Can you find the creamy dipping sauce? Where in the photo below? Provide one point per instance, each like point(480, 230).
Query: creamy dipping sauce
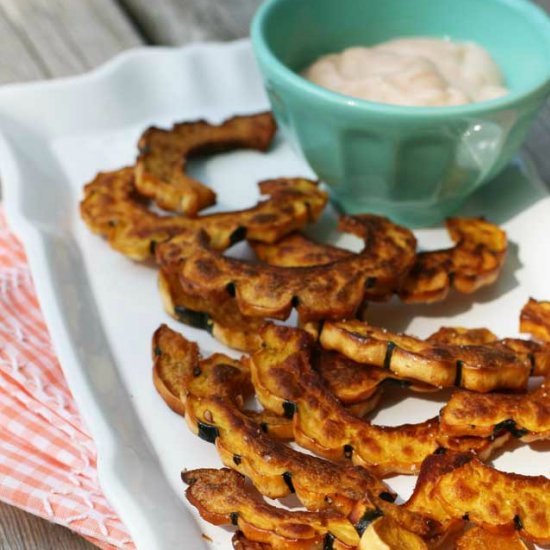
point(412, 71)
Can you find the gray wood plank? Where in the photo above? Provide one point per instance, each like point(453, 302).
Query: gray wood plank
point(538, 144)
point(538, 141)
point(18, 62)
point(183, 21)
point(21, 531)
point(61, 37)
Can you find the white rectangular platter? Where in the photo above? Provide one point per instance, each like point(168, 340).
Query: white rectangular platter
point(102, 308)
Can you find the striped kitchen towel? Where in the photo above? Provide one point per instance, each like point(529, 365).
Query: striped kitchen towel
point(47, 458)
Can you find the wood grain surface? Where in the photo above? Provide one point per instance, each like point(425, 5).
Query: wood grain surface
point(51, 38)
point(22, 531)
point(173, 22)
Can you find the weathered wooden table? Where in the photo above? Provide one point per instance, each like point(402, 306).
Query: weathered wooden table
point(51, 38)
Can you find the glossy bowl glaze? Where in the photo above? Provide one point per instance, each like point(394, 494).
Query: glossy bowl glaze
point(414, 164)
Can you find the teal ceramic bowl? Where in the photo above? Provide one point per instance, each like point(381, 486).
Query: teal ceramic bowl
point(414, 164)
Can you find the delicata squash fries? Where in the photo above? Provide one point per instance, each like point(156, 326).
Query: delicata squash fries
point(112, 208)
point(498, 501)
point(331, 291)
point(213, 401)
point(222, 497)
point(475, 261)
point(160, 166)
point(524, 416)
point(480, 539)
point(350, 497)
point(502, 364)
point(214, 395)
point(317, 384)
point(177, 365)
point(282, 374)
point(535, 319)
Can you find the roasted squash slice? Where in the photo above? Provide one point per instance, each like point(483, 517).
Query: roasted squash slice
point(526, 417)
point(481, 368)
point(160, 167)
point(423, 499)
point(535, 319)
point(113, 208)
point(223, 498)
point(331, 291)
point(500, 502)
point(477, 538)
point(276, 469)
point(475, 261)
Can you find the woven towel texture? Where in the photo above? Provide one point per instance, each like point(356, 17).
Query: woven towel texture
point(47, 458)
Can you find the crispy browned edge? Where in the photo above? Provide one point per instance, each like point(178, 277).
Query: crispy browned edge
point(535, 319)
point(171, 380)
